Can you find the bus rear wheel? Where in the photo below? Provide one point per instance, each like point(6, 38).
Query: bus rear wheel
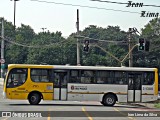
point(109, 100)
point(34, 98)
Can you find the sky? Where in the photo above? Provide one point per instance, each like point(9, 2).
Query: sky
point(57, 17)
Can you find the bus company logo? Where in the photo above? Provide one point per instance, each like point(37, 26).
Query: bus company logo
point(72, 87)
point(147, 88)
point(78, 87)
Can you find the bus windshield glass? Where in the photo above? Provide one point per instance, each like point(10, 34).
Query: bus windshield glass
point(16, 77)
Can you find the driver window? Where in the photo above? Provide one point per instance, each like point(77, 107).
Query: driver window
point(16, 77)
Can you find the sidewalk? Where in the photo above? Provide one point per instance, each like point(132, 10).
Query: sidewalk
point(1, 81)
point(148, 104)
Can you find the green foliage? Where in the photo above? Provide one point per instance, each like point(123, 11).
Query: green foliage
point(151, 32)
point(98, 57)
point(157, 105)
point(52, 48)
point(18, 54)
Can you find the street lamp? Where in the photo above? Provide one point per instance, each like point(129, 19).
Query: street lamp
point(14, 12)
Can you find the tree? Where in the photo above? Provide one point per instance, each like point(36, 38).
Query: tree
point(18, 54)
point(52, 48)
point(111, 33)
point(151, 32)
point(47, 50)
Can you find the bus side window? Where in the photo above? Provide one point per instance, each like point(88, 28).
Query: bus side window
point(120, 77)
point(148, 78)
point(41, 75)
point(100, 80)
point(88, 76)
point(74, 76)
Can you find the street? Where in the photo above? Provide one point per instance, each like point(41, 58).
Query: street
point(70, 110)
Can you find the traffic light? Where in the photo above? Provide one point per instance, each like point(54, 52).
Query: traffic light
point(86, 46)
point(141, 45)
point(147, 46)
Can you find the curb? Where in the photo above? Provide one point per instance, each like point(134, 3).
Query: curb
point(146, 105)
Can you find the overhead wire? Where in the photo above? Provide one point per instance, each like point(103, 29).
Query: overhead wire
point(76, 5)
point(123, 3)
point(9, 40)
point(100, 40)
point(108, 1)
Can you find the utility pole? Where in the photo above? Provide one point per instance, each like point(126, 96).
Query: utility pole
point(78, 44)
point(2, 49)
point(15, 13)
point(129, 48)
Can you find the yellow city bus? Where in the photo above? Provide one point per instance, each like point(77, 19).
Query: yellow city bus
point(107, 85)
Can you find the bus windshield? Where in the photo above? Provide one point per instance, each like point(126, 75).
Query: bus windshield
point(16, 77)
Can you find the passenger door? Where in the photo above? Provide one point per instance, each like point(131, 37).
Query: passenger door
point(60, 85)
point(134, 87)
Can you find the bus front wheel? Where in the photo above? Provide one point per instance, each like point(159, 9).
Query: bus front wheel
point(109, 100)
point(34, 98)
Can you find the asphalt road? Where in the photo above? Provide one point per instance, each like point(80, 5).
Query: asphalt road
point(71, 110)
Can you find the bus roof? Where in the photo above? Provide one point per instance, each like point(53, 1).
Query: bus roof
point(104, 68)
point(66, 67)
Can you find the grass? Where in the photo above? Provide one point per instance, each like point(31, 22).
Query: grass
point(157, 105)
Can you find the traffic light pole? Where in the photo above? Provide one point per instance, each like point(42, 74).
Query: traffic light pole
point(129, 53)
point(118, 60)
point(78, 45)
point(109, 53)
point(129, 48)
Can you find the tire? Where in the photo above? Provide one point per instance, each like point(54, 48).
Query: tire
point(109, 100)
point(34, 98)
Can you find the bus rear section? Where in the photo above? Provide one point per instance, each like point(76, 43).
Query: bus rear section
point(108, 86)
